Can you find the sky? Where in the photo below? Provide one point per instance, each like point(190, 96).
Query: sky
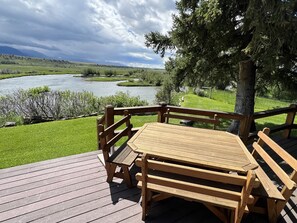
point(99, 31)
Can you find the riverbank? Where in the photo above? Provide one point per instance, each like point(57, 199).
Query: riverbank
point(17, 66)
point(124, 81)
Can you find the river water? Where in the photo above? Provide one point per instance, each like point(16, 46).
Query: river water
point(78, 84)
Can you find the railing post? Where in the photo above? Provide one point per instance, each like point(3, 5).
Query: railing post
point(109, 118)
point(290, 121)
point(162, 110)
point(98, 132)
point(244, 128)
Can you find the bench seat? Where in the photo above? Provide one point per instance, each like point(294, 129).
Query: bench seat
point(274, 199)
point(200, 197)
point(124, 155)
point(225, 195)
point(267, 188)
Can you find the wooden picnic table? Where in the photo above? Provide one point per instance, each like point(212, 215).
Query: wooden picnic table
point(196, 146)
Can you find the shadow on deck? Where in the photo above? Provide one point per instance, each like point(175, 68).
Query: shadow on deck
point(73, 189)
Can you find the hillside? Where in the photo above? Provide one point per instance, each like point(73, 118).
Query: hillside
point(11, 51)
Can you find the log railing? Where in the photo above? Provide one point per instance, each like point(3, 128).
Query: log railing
point(245, 121)
point(289, 122)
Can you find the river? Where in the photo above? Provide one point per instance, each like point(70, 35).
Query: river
point(78, 84)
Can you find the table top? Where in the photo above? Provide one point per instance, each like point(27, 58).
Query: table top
point(196, 146)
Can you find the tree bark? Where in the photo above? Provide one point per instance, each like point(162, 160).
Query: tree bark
point(245, 95)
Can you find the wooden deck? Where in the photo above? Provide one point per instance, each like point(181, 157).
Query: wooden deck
point(73, 189)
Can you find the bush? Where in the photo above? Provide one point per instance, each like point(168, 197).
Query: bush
point(52, 105)
point(166, 93)
point(38, 90)
point(90, 72)
point(109, 73)
point(11, 117)
point(9, 71)
point(201, 92)
point(121, 99)
point(153, 78)
point(44, 104)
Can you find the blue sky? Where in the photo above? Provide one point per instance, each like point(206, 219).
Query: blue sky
point(99, 31)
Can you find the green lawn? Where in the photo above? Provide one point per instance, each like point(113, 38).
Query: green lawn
point(224, 101)
point(31, 143)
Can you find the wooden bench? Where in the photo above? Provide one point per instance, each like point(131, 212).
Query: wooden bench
point(224, 194)
point(123, 157)
point(192, 117)
point(274, 199)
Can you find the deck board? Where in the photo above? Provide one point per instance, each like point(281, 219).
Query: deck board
point(73, 189)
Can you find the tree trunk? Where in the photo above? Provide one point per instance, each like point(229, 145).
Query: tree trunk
point(245, 96)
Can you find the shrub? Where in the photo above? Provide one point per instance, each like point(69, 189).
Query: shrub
point(10, 117)
point(109, 73)
point(89, 72)
point(121, 99)
point(42, 102)
point(201, 92)
point(9, 71)
point(38, 90)
point(166, 93)
point(153, 78)
point(46, 104)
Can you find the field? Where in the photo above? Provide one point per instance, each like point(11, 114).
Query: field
point(17, 66)
point(31, 143)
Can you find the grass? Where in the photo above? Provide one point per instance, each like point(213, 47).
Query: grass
point(32, 143)
point(25, 66)
point(107, 79)
point(224, 101)
point(31, 70)
point(134, 84)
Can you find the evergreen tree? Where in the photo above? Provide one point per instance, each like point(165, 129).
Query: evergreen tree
point(251, 41)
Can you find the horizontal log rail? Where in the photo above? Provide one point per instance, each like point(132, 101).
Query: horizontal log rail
point(191, 111)
point(141, 110)
point(245, 121)
point(286, 127)
point(273, 112)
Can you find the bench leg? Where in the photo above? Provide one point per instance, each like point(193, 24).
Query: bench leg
point(126, 176)
point(146, 199)
point(271, 208)
point(110, 172)
point(218, 212)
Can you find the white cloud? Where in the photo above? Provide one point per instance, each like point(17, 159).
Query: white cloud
point(140, 55)
point(95, 30)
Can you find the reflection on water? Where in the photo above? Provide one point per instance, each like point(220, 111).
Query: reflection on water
point(68, 82)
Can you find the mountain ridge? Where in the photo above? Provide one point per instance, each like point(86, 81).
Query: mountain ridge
point(26, 53)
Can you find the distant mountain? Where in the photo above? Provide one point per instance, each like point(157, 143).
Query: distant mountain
point(33, 53)
point(26, 53)
point(11, 51)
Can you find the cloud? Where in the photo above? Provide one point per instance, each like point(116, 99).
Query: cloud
point(100, 31)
